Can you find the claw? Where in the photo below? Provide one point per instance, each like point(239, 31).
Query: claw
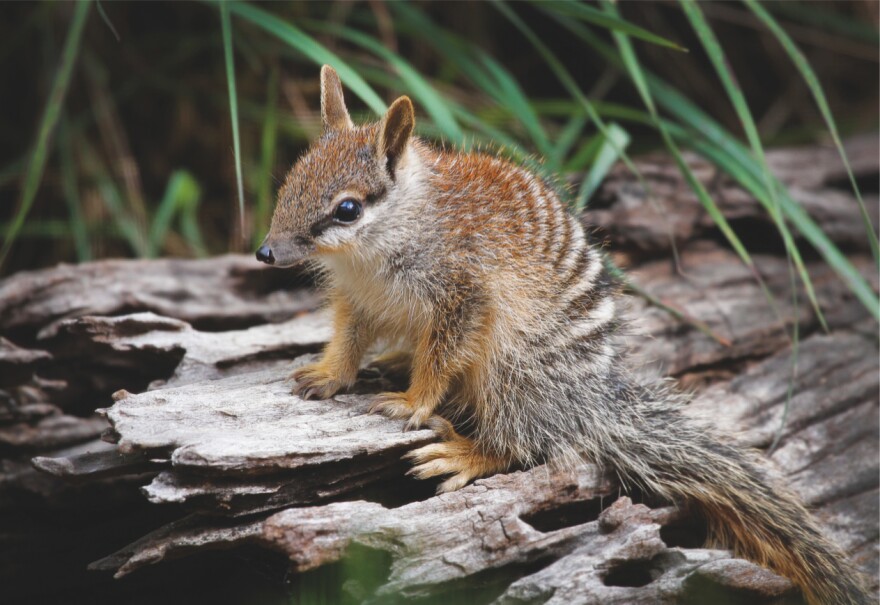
point(454, 483)
point(412, 425)
point(457, 457)
point(316, 381)
point(392, 405)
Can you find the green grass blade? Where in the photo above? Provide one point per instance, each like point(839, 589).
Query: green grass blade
point(107, 21)
point(268, 140)
point(309, 47)
point(113, 200)
point(606, 157)
point(481, 69)
point(69, 184)
point(701, 123)
point(181, 191)
point(704, 126)
point(515, 101)
point(613, 23)
point(492, 137)
point(432, 102)
point(56, 229)
point(846, 26)
point(812, 81)
point(233, 108)
point(735, 160)
point(675, 311)
point(567, 81)
point(566, 140)
point(49, 120)
point(719, 62)
point(413, 22)
point(586, 153)
point(189, 221)
point(634, 68)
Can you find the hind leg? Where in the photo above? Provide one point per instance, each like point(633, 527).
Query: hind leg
point(455, 455)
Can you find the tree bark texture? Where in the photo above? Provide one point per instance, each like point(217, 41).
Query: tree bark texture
point(197, 444)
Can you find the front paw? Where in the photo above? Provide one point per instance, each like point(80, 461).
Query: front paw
point(314, 381)
point(401, 405)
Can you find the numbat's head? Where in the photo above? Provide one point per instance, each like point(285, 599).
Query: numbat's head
point(337, 196)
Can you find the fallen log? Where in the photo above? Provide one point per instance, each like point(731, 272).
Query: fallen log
point(208, 449)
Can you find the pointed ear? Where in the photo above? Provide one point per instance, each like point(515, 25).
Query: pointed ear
point(334, 115)
point(395, 130)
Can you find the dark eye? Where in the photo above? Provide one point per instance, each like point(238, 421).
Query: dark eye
point(348, 211)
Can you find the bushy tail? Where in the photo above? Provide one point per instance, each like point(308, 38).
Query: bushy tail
point(662, 452)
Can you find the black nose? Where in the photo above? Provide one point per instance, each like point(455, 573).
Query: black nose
point(264, 255)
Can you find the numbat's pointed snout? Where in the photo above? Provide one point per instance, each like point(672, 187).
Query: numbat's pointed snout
point(264, 255)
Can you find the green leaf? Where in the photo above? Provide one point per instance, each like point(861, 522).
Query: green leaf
point(481, 69)
point(233, 107)
point(608, 154)
point(614, 23)
point(268, 140)
point(412, 21)
point(181, 192)
point(49, 120)
point(586, 153)
point(809, 76)
point(70, 186)
point(738, 155)
point(719, 62)
point(432, 102)
point(634, 68)
point(311, 48)
point(566, 139)
point(705, 127)
point(567, 81)
point(515, 101)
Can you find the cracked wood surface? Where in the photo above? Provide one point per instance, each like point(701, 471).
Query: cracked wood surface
point(207, 426)
point(224, 291)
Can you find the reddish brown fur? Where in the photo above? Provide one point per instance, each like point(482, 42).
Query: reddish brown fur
point(474, 269)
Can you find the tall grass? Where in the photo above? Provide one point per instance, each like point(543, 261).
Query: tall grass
point(472, 99)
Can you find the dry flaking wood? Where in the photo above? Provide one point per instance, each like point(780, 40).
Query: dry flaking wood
point(17, 364)
point(626, 561)
point(834, 386)
point(225, 291)
point(718, 290)
point(103, 354)
point(252, 423)
point(815, 177)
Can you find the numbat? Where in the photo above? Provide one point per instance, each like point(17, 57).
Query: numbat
point(491, 294)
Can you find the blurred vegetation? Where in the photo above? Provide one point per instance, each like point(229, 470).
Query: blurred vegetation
point(147, 129)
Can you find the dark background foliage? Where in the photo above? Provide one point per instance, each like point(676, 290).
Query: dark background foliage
point(153, 102)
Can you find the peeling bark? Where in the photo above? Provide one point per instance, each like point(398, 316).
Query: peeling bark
point(203, 423)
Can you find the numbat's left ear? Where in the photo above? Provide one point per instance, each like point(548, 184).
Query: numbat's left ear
point(395, 130)
point(334, 115)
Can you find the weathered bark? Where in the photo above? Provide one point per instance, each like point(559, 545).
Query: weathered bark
point(204, 422)
point(17, 365)
point(648, 222)
point(221, 292)
point(836, 394)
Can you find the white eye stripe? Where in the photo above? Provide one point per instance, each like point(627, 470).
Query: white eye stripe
point(347, 195)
